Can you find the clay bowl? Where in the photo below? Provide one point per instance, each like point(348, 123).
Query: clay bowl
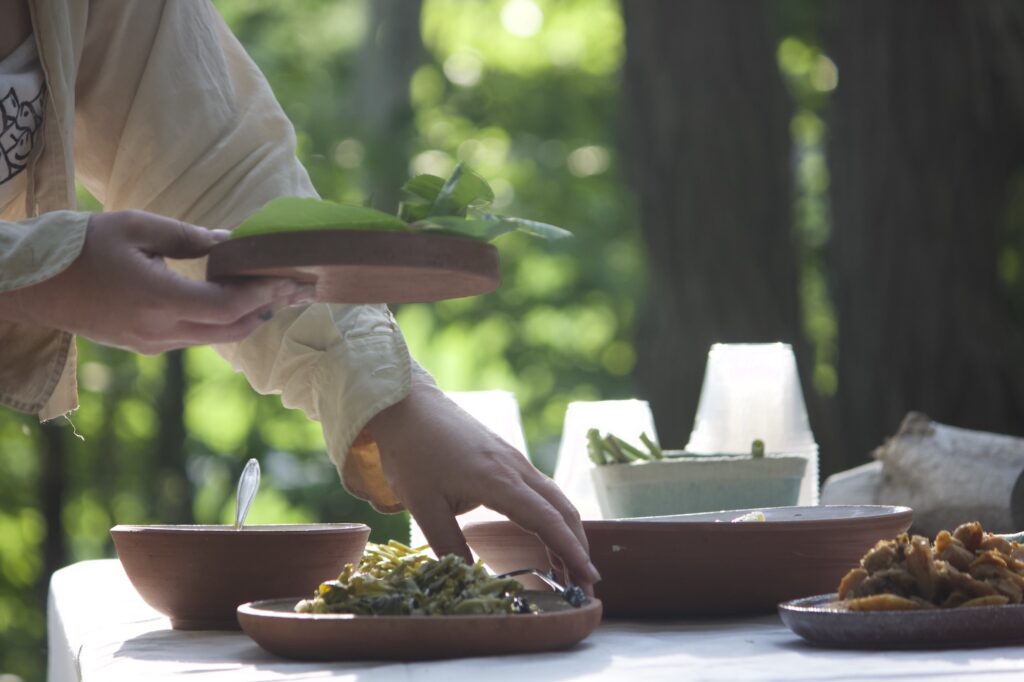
point(199, 575)
point(705, 565)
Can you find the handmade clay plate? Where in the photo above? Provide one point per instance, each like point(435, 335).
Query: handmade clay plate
point(703, 564)
point(363, 266)
point(820, 622)
point(278, 629)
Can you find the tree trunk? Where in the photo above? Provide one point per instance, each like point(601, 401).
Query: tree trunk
point(925, 132)
point(52, 496)
point(172, 498)
point(707, 147)
point(391, 54)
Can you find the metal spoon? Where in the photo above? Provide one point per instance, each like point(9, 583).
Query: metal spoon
point(248, 485)
point(573, 594)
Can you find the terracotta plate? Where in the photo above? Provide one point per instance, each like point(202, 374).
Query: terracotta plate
point(817, 620)
point(704, 565)
point(278, 629)
point(361, 266)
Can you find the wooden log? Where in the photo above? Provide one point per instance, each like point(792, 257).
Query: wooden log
point(858, 485)
point(949, 475)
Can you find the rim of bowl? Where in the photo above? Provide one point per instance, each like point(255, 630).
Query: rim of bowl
point(879, 513)
point(193, 529)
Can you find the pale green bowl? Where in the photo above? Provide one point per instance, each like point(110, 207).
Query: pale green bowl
point(697, 483)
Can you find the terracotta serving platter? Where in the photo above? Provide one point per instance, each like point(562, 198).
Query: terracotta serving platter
point(275, 626)
point(705, 565)
point(363, 266)
point(820, 621)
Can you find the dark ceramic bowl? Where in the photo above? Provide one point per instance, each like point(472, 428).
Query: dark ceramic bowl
point(704, 564)
point(199, 575)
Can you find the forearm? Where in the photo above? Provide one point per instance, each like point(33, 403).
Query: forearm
point(341, 365)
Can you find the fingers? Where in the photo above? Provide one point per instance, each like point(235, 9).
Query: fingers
point(557, 499)
point(199, 334)
point(225, 302)
point(172, 238)
point(205, 302)
point(528, 509)
point(438, 524)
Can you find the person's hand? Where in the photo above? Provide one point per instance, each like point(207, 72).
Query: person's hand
point(441, 462)
point(119, 291)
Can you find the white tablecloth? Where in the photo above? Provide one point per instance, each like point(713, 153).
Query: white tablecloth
point(99, 629)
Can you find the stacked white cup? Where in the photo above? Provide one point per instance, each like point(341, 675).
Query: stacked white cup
point(752, 392)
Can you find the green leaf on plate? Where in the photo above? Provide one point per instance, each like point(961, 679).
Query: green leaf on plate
point(430, 195)
point(424, 187)
point(488, 226)
point(537, 229)
point(295, 214)
point(462, 190)
point(478, 228)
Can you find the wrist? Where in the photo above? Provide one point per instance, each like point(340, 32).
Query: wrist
point(421, 391)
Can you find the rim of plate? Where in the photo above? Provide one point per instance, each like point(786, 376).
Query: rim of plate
point(256, 608)
point(194, 529)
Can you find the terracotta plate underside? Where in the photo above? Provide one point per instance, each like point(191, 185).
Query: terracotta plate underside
point(361, 266)
point(819, 621)
point(275, 626)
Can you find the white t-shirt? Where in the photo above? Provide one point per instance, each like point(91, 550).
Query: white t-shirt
point(21, 116)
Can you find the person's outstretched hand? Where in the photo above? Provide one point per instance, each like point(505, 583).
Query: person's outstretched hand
point(119, 291)
point(441, 462)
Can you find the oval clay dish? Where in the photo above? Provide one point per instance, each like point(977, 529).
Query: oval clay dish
point(275, 626)
point(820, 621)
point(703, 564)
point(364, 266)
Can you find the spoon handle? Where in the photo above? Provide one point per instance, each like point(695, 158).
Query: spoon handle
point(248, 484)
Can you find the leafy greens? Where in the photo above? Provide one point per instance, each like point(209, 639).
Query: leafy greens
point(457, 206)
point(395, 580)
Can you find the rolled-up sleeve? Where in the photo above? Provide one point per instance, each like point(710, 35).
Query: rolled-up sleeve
point(35, 249)
point(174, 118)
point(37, 363)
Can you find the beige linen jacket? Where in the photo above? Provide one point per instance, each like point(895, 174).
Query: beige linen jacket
point(154, 105)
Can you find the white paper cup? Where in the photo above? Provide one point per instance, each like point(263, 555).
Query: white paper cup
point(698, 484)
point(751, 392)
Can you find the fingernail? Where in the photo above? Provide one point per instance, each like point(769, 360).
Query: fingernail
point(266, 315)
point(592, 573)
point(220, 235)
